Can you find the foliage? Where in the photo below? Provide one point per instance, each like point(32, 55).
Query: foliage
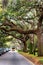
point(22, 16)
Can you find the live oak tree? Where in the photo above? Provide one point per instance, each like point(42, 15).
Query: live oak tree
point(20, 15)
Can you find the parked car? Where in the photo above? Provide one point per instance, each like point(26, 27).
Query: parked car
point(1, 51)
point(7, 49)
point(4, 50)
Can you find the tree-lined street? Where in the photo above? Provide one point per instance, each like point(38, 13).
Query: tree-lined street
point(21, 28)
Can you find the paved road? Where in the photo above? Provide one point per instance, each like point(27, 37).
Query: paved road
point(13, 58)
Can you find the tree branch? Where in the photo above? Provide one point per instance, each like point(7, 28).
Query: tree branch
point(21, 31)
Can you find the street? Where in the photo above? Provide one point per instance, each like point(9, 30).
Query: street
point(13, 58)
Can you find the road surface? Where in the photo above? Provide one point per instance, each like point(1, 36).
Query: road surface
point(13, 58)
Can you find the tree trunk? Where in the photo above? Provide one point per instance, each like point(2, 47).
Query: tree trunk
point(40, 35)
point(4, 3)
point(31, 48)
point(40, 43)
point(25, 47)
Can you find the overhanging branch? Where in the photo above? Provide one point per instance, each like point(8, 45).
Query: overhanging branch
point(21, 31)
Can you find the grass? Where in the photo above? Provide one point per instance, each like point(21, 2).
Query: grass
point(34, 58)
point(41, 60)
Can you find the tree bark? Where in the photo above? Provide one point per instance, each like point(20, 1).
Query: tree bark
point(40, 35)
point(4, 3)
point(40, 42)
point(25, 47)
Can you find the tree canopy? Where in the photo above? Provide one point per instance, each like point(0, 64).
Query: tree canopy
point(19, 18)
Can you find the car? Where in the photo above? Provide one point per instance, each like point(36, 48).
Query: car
point(7, 49)
point(1, 51)
point(13, 49)
point(4, 50)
